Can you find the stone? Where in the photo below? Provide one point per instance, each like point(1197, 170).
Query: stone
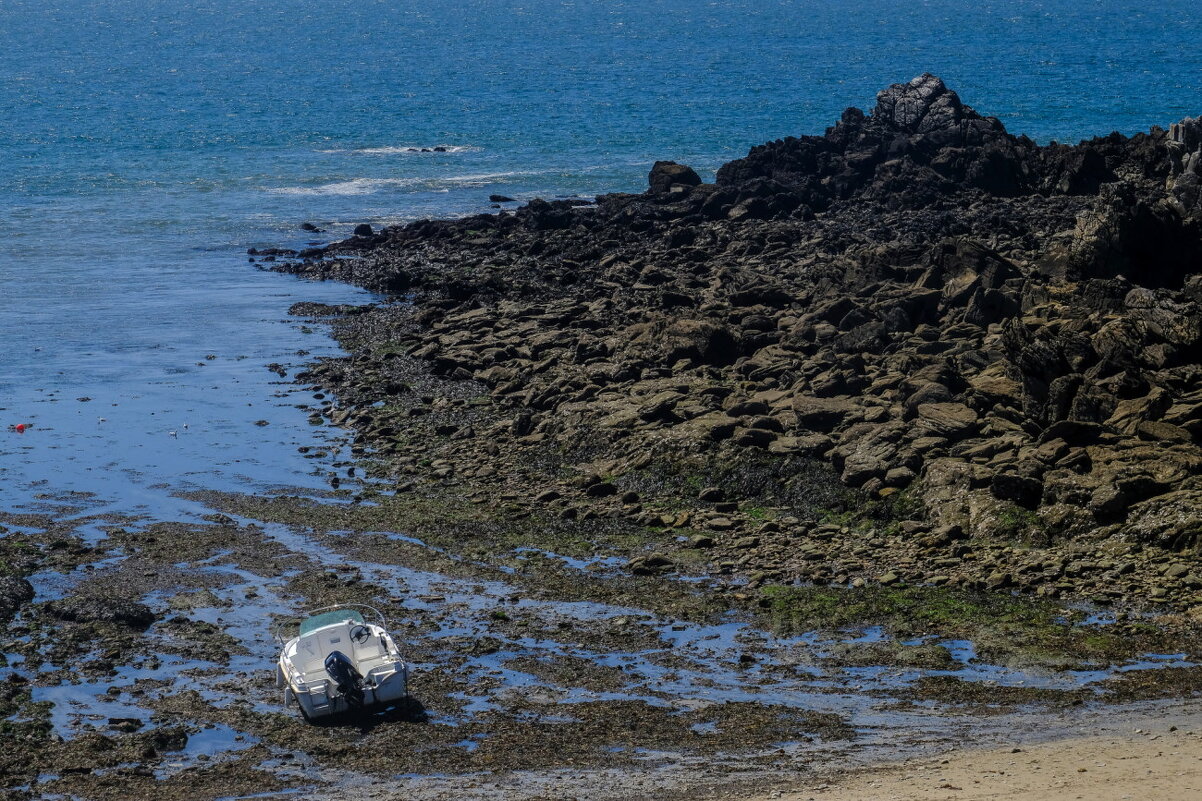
point(652, 564)
point(923, 104)
point(1073, 432)
point(1025, 491)
point(899, 477)
point(1160, 431)
point(748, 407)
point(666, 174)
point(822, 414)
point(998, 579)
point(14, 592)
point(948, 420)
point(601, 489)
point(754, 437)
point(701, 341)
point(101, 609)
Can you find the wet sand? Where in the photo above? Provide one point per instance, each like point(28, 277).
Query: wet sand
point(1157, 759)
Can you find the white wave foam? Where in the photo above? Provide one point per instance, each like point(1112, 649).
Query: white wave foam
point(406, 150)
point(482, 178)
point(355, 186)
point(368, 186)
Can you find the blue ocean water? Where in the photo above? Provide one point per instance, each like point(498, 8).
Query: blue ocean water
point(145, 145)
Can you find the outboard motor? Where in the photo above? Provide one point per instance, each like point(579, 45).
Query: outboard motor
point(350, 683)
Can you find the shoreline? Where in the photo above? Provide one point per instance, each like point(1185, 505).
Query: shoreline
point(1163, 760)
point(663, 493)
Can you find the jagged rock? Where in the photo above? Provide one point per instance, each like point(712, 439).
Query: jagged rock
point(14, 591)
point(666, 174)
point(922, 105)
point(823, 414)
point(1185, 154)
point(99, 609)
point(990, 320)
point(948, 420)
point(703, 341)
point(1172, 520)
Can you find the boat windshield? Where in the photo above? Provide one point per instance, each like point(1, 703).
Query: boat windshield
point(331, 618)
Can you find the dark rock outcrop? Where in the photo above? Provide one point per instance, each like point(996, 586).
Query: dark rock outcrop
point(119, 611)
point(14, 592)
point(917, 297)
point(667, 174)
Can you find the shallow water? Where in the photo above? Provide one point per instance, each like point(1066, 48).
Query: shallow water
point(691, 665)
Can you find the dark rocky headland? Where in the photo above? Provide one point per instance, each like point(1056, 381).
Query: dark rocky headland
point(915, 350)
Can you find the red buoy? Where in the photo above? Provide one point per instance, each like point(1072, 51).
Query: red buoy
point(20, 428)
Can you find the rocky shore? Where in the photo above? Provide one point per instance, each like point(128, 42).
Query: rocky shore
point(707, 490)
point(916, 349)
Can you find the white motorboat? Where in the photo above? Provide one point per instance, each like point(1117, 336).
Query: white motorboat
point(340, 663)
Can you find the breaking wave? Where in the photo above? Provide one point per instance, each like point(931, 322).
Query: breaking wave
point(369, 186)
point(406, 150)
point(355, 186)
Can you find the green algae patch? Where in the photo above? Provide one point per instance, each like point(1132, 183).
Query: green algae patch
point(1005, 629)
point(443, 520)
point(983, 698)
point(893, 654)
point(23, 721)
point(906, 610)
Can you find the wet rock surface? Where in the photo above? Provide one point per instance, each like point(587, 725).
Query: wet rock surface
point(925, 322)
point(535, 649)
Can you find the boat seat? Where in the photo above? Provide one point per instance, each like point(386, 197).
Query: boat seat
point(371, 654)
point(313, 649)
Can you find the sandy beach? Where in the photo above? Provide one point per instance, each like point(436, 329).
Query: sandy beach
point(1160, 762)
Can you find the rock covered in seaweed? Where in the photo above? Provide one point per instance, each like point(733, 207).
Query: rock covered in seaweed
point(918, 297)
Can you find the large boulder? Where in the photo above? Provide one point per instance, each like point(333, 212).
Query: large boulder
point(666, 174)
point(700, 340)
point(14, 591)
point(1172, 520)
point(1153, 244)
point(949, 420)
point(823, 414)
point(100, 609)
point(923, 105)
point(1185, 154)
